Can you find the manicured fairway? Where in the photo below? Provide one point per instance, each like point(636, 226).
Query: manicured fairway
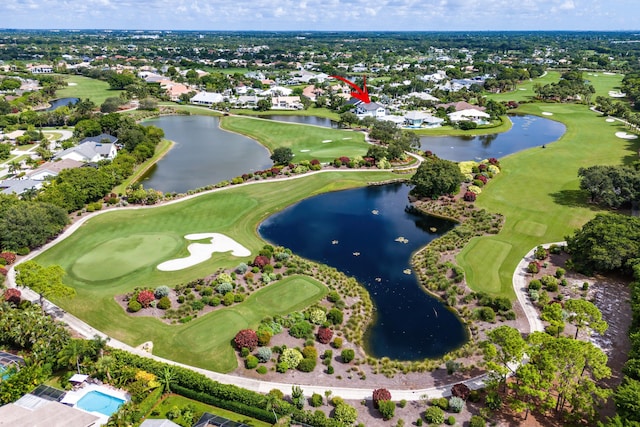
point(311, 111)
point(306, 142)
point(236, 212)
point(538, 192)
point(85, 87)
point(524, 91)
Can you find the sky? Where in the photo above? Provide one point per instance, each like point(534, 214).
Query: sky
point(322, 15)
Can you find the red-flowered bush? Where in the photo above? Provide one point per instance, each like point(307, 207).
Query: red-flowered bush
point(469, 196)
point(481, 178)
point(482, 167)
point(12, 295)
point(315, 162)
point(246, 338)
point(460, 390)
point(3, 271)
point(145, 298)
point(494, 161)
point(345, 160)
point(379, 395)
point(10, 257)
point(275, 171)
point(260, 261)
point(325, 335)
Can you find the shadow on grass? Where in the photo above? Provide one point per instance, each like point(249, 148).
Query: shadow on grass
point(573, 199)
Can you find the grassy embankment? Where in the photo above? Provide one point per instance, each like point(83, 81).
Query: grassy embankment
point(118, 251)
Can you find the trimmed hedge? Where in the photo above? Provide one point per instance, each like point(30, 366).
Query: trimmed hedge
point(147, 404)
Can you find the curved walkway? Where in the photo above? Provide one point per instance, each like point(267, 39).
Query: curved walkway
point(85, 330)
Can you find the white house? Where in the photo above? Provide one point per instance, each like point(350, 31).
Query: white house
point(468, 115)
point(92, 149)
point(372, 109)
point(207, 98)
point(40, 69)
point(277, 91)
point(286, 103)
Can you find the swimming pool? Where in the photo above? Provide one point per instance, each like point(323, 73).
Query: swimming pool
point(96, 401)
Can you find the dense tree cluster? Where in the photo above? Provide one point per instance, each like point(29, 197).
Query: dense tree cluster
point(571, 87)
point(609, 242)
point(562, 374)
point(436, 177)
point(28, 224)
point(611, 186)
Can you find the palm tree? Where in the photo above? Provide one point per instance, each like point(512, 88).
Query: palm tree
point(14, 166)
point(72, 353)
point(273, 403)
point(165, 379)
point(104, 366)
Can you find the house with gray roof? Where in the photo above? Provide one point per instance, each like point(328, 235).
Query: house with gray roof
point(89, 151)
point(371, 109)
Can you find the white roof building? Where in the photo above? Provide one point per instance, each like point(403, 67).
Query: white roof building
point(468, 114)
point(207, 98)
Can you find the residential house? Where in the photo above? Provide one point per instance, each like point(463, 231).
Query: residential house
point(469, 115)
point(40, 69)
point(286, 103)
point(174, 90)
point(52, 169)
point(246, 101)
point(207, 98)
point(277, 91)
point(18, 186)
point(92, 149)
point(372, 109)
point(416, 119)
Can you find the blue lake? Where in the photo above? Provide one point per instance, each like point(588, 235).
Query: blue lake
point(526, 132)
point(61, 103)
point(203, 154)
point(365, 222)
point(303, 120)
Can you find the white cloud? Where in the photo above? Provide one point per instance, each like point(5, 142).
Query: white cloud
point(321, 14)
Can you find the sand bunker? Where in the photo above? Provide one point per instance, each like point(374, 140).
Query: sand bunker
point(200, 252)
point(625, 135)
point(616, 94)
point(609, 120)
point(304, 151)
point(327, 140)
point(546, 113)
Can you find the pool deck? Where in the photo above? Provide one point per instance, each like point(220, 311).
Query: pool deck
point(72, 397)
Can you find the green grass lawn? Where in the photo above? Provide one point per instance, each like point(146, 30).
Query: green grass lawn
point(311, 111)
point(26, 147)
point(299, 138)
point(85, 87)
point(538, 192)
point(524, 91)
point(602, 83)
point(193, 109)
point(181, 402)
point(118, 251)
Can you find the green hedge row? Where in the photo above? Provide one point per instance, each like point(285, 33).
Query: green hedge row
point(196, 386)
point(147, 404)
point(230, 405)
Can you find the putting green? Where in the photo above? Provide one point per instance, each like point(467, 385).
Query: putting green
point(118, 257)
point(530, 228)
point(488, 254)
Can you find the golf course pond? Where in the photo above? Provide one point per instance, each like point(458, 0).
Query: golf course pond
point(57, 103)
point(301, 120)
point(203, 154)
point(366, 233)
point(527, 132)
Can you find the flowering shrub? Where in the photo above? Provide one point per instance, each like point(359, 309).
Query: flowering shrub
point(145, 298)
point(380, 394)
point(3, 271)
point(314, 162)
point(482, 167)
point(223, 288)
point(493, 161)
point(264, 354)
point(317, 316)
point(260, 261)
point(161, 291)
point(324, 335)
point(12, 295)
point(344, 160)
point(493, 169)
point(533, 267)
point(246, 338)
point(469, 196)
point(460, 390)
point(481, 178)
point(467, 167)
point(10, 257)
point(475, 189)
point(290, 358)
